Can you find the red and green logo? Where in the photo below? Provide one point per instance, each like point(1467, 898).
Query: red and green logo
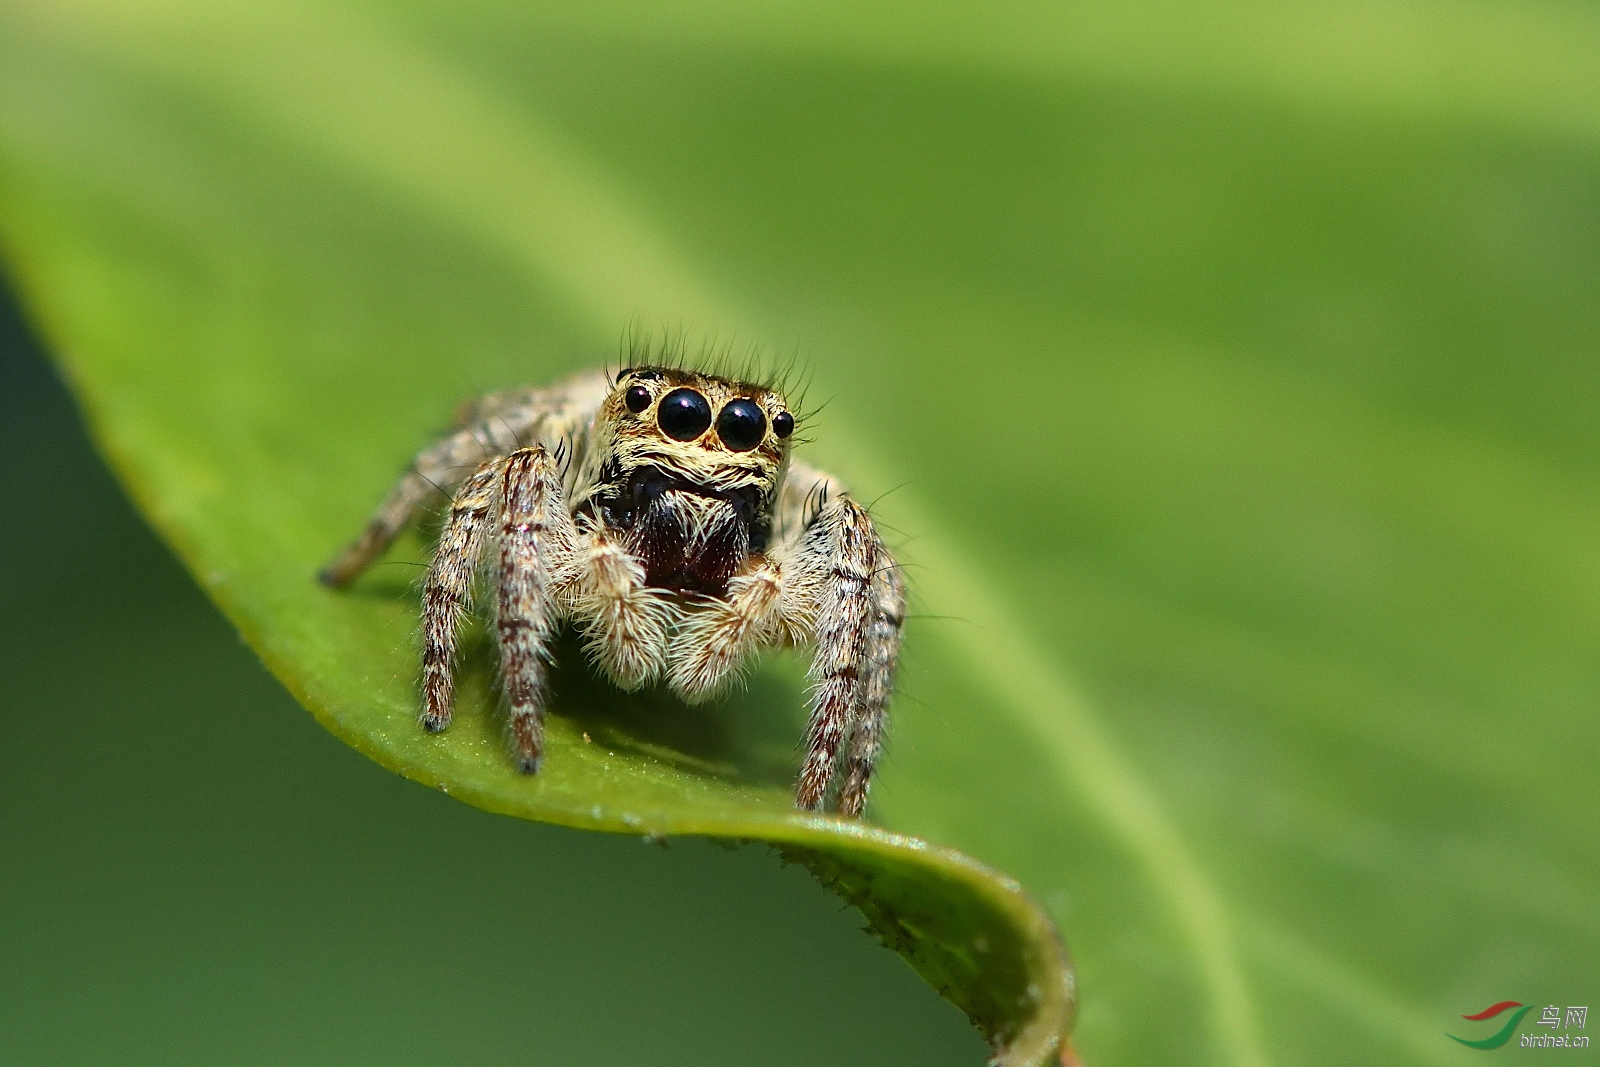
point(1502, 1035)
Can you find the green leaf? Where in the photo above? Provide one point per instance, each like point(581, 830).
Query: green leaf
point(1235, 366)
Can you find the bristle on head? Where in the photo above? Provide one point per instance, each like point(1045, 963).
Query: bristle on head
point(732, 360)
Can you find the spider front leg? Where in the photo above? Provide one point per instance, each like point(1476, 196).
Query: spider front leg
point(537, 548)
point(877, 683)
point(833, 569)
point(535, 537)
point(447, 590)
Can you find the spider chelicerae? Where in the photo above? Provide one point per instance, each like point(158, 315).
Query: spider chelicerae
point(659, 510)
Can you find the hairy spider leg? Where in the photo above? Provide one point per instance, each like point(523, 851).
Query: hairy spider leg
point(440, 468)
point(877, 684)
point(840, 551)
point(487, 429)
point(447, 590)
point(537, 543)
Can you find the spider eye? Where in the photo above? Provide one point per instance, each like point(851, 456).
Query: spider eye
point(783, 424)
point(637, 398)
point(683, 415)
point(741, 425)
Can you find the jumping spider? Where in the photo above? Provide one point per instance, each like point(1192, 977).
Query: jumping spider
point(660, 511)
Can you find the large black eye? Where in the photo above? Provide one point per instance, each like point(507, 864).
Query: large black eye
point(783, 424)
point(741, 425)
point(637, 398)
point(683, 415)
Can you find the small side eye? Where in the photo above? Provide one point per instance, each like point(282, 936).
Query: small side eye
point(683, 415)
point(637, 398)
point(741, 425)
point(783, 424)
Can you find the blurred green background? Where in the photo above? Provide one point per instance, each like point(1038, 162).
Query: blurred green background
point(1243, 355)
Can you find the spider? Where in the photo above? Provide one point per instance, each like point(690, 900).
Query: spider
point(660, 511)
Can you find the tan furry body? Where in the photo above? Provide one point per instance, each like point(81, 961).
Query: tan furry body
point(676, 556)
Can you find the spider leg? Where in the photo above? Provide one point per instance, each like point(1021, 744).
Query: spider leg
point(439, 468)
point(447, 590)
point(537, 545)
point(626, 622)
point(877, 683)
point(837, 558)
point(715, 639)
point(489, 427)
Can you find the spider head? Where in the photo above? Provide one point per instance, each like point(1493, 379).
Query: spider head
point(689, 467)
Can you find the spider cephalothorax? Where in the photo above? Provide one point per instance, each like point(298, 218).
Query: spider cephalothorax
point(660, 511)
point(686, 467)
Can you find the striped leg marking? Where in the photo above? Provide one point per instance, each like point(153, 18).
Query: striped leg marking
point(536, 549)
